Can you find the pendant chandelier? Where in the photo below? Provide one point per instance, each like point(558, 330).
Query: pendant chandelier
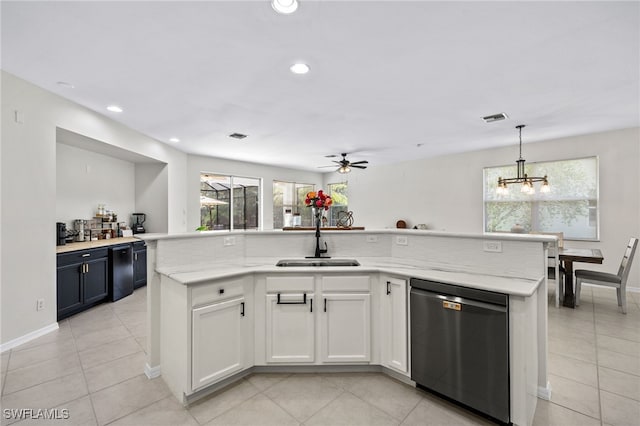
point(522, 178)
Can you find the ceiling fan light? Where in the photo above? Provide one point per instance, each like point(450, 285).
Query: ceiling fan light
point(344, 169)
point(284, 7)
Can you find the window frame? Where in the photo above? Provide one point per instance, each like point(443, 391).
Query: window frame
point(294, 204)
point(529, 164)
point(260, 203)
point(331, 208)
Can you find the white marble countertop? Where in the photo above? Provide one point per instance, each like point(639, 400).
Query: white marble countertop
point(198, 274)
point(486, 235)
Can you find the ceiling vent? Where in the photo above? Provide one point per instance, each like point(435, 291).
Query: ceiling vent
point(237, 136)
point(495, 117)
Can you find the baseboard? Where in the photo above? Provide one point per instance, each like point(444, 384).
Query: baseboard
point(152, 372)
point(28, 337)
point(545, 393)
point(632, 289)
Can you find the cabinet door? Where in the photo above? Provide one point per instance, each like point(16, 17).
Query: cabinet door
point(217, 341)
point(139, 268)
point(394, 339)
point(96, 279)
point(290, 328)
point(69, 289)
point(345, 328)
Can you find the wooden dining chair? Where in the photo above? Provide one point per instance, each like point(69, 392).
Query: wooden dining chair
point(617, 281)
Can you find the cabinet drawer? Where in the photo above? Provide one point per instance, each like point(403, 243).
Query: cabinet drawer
point(207, 293)
point(282, 284)
point(346, 283)
point(81, 256)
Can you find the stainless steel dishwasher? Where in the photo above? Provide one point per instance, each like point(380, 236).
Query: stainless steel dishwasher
point(460, 345)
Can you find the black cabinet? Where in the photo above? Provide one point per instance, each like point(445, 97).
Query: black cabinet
point(82, 280)
point(139, 264)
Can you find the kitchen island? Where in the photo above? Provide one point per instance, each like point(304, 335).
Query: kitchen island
point(220, 309)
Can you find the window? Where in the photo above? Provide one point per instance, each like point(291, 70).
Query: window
point(290, 196)
point(338, 193)
point(229, 202)
point(570, 207)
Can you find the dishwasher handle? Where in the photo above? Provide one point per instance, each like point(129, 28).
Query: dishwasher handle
point(457, 303)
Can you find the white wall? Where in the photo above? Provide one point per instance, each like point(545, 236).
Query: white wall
point(151, 196)
point(446, 192)
point(197, 164)
point(29, 164)
point(85, 179)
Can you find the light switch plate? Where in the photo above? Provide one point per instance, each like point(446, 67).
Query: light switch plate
point(402, 240)
point(229, 241)
point(493, 246)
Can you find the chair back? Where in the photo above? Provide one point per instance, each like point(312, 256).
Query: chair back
point(625, 265)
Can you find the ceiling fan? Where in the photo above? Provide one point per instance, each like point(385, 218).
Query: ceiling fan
point(346, 165)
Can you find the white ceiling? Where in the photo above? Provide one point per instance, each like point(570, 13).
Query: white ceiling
point(389, 80)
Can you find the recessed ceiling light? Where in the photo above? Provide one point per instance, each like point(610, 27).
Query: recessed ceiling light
point(284, 6)
point(65, 84)
point(299, 68)
point(174, 140)
point(114, 108)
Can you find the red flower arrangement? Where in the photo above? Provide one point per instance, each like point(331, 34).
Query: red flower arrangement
point(318, 200)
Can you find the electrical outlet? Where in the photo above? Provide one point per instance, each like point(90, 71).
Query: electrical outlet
point(229, 241)
point(39, 304)
point(402, 240)
point(493, 246)
point(372, 238)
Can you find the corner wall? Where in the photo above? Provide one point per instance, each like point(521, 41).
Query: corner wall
point(28, 155)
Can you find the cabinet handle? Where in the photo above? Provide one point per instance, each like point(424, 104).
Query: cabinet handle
point(388, 288)
point(325, 304)
point(87, 267)
point(135, 256)
point(311, 303)
point(86, 255)
point(241, 309)
point(303, 302)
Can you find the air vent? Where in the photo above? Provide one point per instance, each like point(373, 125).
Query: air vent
point(495, 117)
point(237, 136)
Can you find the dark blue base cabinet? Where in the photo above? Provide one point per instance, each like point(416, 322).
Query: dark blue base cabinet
point(88, 277)
point(82, 280)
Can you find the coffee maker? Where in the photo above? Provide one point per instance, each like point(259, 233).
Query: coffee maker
point(61, 233)
point(138, 220)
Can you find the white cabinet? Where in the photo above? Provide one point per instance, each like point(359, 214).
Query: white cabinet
point(218, 334)
point(345, 330)
point(345, 325)
point(393, 323)
point(289, 319)
point(290, 328)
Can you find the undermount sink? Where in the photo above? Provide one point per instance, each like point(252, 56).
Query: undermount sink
point(318, 262)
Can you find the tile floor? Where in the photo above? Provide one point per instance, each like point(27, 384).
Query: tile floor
point(92, 367)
